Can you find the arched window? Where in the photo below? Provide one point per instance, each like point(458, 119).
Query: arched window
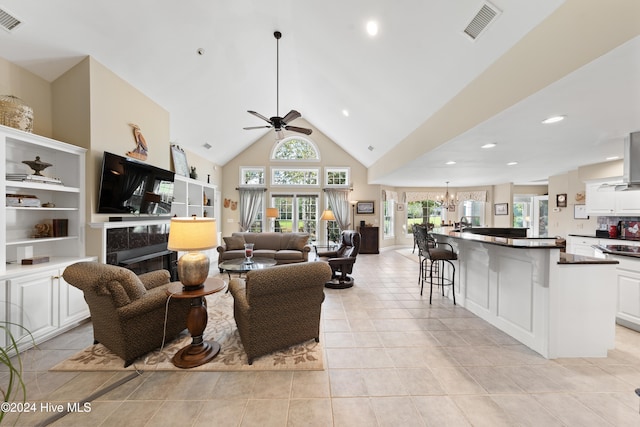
point(295, 148)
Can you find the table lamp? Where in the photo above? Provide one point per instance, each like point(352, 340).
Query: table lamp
point(327, 216)
point(192, 234)
point(272, 213)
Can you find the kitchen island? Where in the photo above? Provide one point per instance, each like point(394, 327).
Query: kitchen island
point(557, 304)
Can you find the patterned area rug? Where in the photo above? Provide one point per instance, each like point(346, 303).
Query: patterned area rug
point(221, 327)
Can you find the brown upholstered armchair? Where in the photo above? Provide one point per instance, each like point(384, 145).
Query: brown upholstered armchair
point(278, 307)
point(128, 311)
point(342, 260)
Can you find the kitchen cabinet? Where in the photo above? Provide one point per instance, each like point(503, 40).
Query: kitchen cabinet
point(603, 199)
point(369, 240)
point(600, 198)
point(628, 287)
point(627, 202)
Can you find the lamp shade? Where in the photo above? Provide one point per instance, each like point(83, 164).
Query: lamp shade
point(192, 234)
point(327, 216)
point(272, 213)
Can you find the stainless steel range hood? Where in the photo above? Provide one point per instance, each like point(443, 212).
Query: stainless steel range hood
point(631, 165)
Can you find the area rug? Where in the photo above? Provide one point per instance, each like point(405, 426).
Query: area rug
point(221, 328)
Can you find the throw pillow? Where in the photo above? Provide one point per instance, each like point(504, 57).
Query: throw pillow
point(234, 243)
point(298, 242)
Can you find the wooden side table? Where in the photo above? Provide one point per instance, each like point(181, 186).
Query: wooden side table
point(199, 351)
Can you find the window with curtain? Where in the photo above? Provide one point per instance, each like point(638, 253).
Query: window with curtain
point(332, 228)
point(296, 213)
point(336, 177)
point(388, 206)
point(252, 175)
point(424, 212)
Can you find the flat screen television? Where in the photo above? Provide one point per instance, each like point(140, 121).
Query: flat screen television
point(128, 186)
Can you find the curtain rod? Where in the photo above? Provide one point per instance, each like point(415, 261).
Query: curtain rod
point(251, 188)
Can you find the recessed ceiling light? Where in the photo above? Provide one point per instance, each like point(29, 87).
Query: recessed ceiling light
point(450, 162)
point(613, 158)
point(553, 119)
point(488, 145)
point(372, 28)
point(512, 163)
point(345, 113)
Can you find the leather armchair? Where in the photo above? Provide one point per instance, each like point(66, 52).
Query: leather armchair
point(127, 310)
point(342, 260)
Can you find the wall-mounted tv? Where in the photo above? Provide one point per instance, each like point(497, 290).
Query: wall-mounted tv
point(128, 186)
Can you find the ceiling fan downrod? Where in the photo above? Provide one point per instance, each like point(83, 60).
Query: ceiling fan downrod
point(277, 35)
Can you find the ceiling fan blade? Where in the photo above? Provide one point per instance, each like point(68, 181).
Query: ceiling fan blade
point(256, 127)
point(291, 116)
point(300, 130)
point(259, 116)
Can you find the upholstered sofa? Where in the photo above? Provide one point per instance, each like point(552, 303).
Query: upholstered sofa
point(128, 311)
point(280, 306)
point(285, 248)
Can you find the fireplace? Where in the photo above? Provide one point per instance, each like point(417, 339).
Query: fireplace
point(141, 249)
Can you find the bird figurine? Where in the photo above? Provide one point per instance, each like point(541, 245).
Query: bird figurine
point(140, 152)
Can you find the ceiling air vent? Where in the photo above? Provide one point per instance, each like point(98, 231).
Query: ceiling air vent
point(8, 22)
point(481, 20)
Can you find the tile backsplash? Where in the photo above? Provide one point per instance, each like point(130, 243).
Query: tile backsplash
point(605, 221)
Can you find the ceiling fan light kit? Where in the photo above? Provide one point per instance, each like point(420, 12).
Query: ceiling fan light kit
point(279, 124)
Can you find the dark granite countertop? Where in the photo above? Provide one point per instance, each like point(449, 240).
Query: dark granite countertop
point(621, 250)
point(566, 258)
point(593, 236)
point(519, 243)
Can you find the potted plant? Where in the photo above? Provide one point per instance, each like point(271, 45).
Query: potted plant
point(14, 387)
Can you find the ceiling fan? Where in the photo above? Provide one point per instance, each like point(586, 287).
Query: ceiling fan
point(279, 123)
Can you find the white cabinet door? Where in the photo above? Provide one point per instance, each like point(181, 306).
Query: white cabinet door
point(629, 297)
point(34, 305)
point(600, 199)
point(628, 202)
point(73, 307)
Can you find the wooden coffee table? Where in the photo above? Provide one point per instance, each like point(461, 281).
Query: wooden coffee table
point(240, 266)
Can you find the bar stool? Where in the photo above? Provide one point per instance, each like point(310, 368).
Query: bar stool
point(437, 254)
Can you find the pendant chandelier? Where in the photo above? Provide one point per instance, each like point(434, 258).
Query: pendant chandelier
point(447, 200)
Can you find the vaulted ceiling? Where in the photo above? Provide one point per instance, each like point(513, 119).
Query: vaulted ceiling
point(419, 94)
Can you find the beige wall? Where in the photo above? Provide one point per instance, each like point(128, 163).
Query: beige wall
point(331, 155)
point(503, 193)
point(33, 90)
point(561, 220)
point(91, 107)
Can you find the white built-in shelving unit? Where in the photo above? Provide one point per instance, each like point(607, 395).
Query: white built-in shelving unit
point(36, 296)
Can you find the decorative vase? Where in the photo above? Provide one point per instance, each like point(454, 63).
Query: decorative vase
point(15, 113)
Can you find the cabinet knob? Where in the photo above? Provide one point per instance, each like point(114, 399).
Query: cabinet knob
point(55, 277)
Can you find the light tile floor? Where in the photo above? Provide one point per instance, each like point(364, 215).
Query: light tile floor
point(392, 360)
